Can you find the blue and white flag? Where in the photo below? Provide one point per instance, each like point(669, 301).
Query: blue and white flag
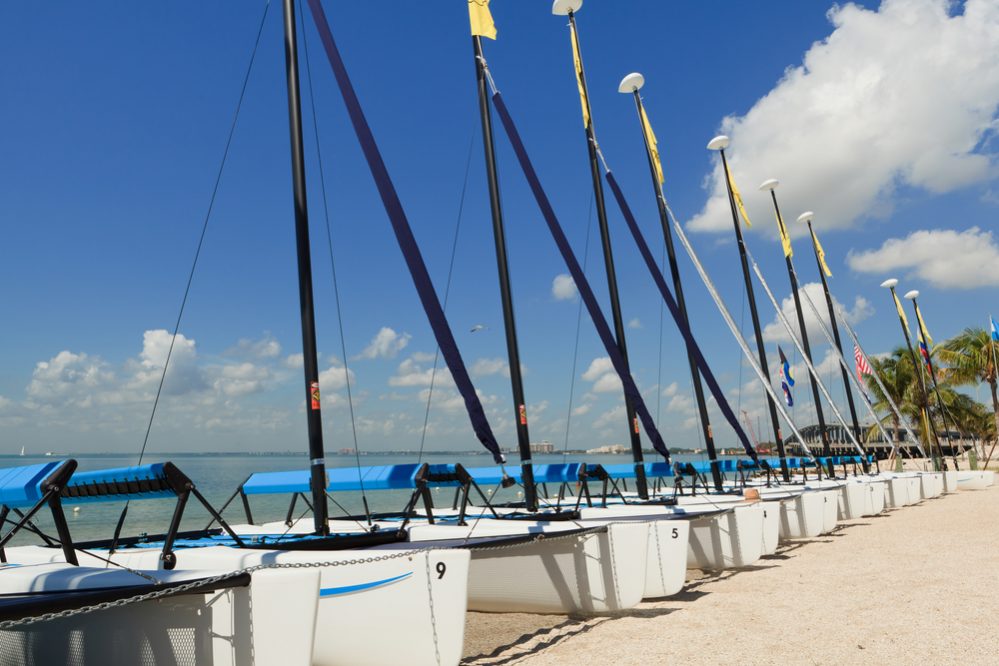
point(995, 328)
point(786, 378)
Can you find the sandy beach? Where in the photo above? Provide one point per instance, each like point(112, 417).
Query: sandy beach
point(913, 585)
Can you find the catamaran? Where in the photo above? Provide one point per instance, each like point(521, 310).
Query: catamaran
point(62, 612)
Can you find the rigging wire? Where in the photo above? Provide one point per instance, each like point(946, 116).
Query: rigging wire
point(575, 349)
point(336, 286)
point(447, 290)
point(204, 230)
point(662, 314)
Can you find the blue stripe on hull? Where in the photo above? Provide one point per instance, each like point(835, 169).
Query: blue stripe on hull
point(349, 589)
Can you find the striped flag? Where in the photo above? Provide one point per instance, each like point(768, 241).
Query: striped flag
point(786, 378)
point(924, 351)
point(863, 367)
point(995, 328)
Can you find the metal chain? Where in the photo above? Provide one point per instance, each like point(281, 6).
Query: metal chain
point(433, 616)
point(9, 625)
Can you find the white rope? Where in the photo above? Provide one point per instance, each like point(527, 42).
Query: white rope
point(804, 356)
point(778, 402)
point(898, 412)
point(846, 367)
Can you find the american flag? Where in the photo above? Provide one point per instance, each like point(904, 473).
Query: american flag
point(863, 367)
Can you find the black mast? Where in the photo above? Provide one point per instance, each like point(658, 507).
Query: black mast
point(674, 268)
point(931, 435)
point(512, 350)
point(771, 184)
point(641, 483)
point(933, 380)
point(719, 143)
point(835, 329)
point(317, 461)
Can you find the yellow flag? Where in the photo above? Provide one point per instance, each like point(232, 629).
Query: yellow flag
point(738, 198)
point(922, 327)
point(821, 254)
point(901, 312)
point(785, 239)
point(481, 19)
point(578, 60)
point(650, 139)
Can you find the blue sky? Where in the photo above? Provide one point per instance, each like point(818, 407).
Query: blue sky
point(877, 116)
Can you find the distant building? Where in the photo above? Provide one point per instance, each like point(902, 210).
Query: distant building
point(612, 449)
point(543, 446)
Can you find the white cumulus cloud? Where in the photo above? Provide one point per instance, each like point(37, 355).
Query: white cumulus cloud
point(334, 378)
point(601, 372)
point(902, 96)
point(69, 378)
point(775, 331)
point(563, 288)
point(411, 372)
point(386, 344)
point(484, 367)
point(945, 258)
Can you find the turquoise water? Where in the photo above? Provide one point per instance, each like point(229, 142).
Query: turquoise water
point(216, 477)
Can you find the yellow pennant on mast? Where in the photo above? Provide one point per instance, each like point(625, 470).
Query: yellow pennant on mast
point(821, 254)
point(578, 61)
point(653, 145)
point(785, 238)
point(737, 197)
point(922, 326)
point(481, 19)
point(901, 312)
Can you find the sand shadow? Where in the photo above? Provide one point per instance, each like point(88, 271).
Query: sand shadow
point(534, 642)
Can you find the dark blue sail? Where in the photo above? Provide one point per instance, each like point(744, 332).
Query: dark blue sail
point(674, 310)
point(585, 292)
point(406, 240)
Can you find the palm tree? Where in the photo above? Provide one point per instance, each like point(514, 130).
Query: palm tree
point(896, 373)
point(899, 377)
point(971, 359)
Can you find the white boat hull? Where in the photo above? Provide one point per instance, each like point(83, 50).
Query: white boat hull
point(975, 480)
point(594, 572)
point(426, 609)
point(804, 517)
point(666, 555)
point(270, 621)
point(931, 484)
point(772, 511)
point(730, 540)
point(874, 499)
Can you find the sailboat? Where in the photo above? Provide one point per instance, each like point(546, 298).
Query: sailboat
point(419, 590)
point(62, 612)
point(551, 561)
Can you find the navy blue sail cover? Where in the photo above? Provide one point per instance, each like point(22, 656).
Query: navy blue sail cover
point(674, 310)
point(23, 486)
point(407, 242)
point(585, 292)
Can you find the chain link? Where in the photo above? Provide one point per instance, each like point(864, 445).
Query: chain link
point(9, 625)
point(433, 616)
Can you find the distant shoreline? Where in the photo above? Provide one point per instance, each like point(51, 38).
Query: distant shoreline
point(284, 454)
